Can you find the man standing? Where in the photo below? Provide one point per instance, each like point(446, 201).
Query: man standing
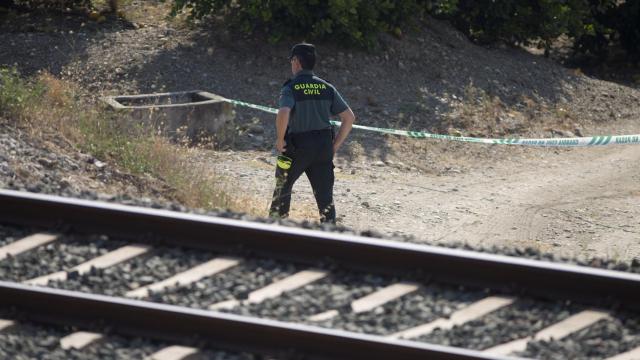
point(304, 136)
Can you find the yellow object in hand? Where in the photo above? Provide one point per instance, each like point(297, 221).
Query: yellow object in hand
point(284, 162)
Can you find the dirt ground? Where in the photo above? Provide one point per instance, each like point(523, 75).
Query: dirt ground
point(577, 202)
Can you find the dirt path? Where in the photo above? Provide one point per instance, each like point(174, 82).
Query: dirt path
point(580, 202)
point(583, 202)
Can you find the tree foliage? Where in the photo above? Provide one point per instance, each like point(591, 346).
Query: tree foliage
point(516, 21)
point(48, 4)
point(594, 24)
point(355, 21)
point(627, 25)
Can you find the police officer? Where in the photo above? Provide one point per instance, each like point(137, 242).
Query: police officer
point(304, 135)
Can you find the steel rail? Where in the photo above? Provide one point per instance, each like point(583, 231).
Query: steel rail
point(226, 331)
point(498, 272)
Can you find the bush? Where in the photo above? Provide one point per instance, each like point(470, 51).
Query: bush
point(49, 4)
point(627, 24)
point(354, 21)
point(516, 21)
point(595, 25)
point(16, 94)
point(46, 106)
point(594, 35)
point(485, 21)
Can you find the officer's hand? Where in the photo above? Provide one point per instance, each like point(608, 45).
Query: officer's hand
point(280, 145)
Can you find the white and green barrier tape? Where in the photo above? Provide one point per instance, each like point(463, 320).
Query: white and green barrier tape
point(549, 142)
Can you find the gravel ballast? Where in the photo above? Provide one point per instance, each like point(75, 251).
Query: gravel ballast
point(523, 318)
point(604, 339)
point(336, 291)
point(427, 304)
point(9, 234)
point(31, 341)
point(158, 265)
point(62, 254)
point(341, 288)
point(235, 283)
point(430, 302)
point(120, 347)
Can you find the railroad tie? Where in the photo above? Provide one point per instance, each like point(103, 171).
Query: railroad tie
point(629, 355)
point(5, 324)
point(556, 331)
point(275, 289)
point(174, 352)
point(243, 333)
point(190, 276)
point(79, 340)
point(469, 313)
point(371, 301)
point(109, 259)
point(26, 244)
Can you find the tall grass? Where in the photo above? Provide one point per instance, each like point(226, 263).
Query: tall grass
point(46, 106)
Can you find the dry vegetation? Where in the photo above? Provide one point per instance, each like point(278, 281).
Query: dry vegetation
point(45, 106)
point(482, 115)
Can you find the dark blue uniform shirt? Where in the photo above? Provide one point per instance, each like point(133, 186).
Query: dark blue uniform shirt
point(312, 102)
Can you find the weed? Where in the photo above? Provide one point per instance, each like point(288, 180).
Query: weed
point(479, 112)
point(16, 94)
point(45, 105)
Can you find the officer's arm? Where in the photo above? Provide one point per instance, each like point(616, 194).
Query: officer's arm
point(347, 117)
point(282, 120)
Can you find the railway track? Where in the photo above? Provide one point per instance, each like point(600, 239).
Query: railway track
point(291, 292)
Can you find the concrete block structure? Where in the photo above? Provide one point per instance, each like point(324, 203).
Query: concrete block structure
point(190, 114)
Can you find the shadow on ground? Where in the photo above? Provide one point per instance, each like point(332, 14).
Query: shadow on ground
point(45, 41)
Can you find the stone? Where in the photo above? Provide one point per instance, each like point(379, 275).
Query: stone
point(47, 163)
point(256, 129)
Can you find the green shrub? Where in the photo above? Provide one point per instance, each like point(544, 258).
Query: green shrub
point(355, 21)
point(516, 21)
point(45, 106)
point(595, 25)
point(627, 24)
point(50, 4)
point(16, 94)
point(594, 35)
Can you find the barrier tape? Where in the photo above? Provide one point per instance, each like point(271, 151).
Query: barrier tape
point(548, 142)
